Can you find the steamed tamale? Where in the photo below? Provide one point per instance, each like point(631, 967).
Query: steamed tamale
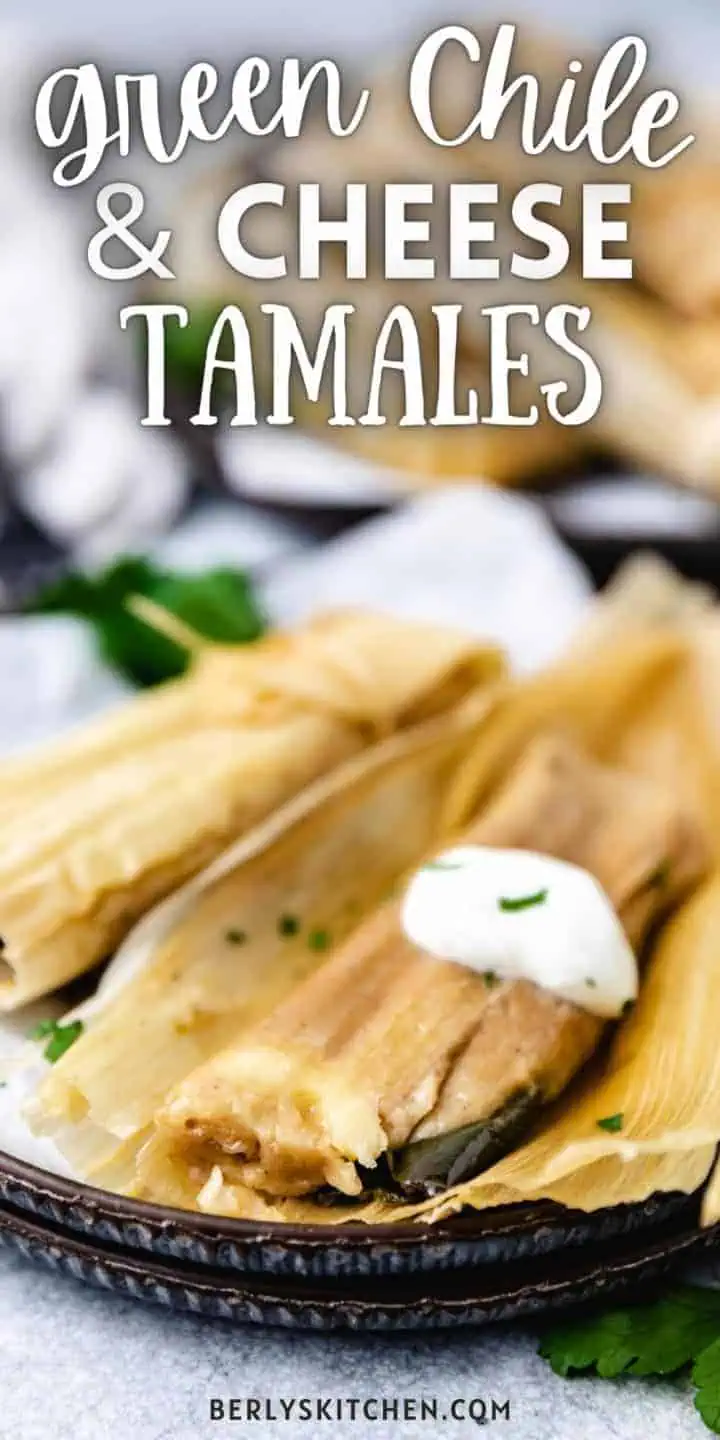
point(98, 827)
point(385, 1047)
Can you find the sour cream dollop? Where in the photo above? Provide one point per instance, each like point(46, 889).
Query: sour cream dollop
point(520, 915)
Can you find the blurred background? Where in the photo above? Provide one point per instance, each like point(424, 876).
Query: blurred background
point(81, 483)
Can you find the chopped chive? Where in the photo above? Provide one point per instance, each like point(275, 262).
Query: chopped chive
point(319, 940)
point(443, 865)
point(612, 1123)
point(628, 1007)
point(661, 875)
point(235, 937)
point(491, 979)
point(590, 982)
point(522, 902)
point(288, 925)
point(59, 1037)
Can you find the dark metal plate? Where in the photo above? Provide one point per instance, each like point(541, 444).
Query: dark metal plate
point(443, 1300)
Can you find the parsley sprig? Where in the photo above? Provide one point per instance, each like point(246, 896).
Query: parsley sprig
point(219, 604)
point(677, 1333)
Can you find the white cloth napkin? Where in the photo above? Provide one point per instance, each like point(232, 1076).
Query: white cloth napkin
point(481, 559)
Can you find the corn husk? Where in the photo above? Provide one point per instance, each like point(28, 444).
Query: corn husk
point(645, 593)
point(647, 699)
point(99, 827)
point(180, 988)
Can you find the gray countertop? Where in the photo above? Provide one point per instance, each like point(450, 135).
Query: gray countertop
point(79, 1364)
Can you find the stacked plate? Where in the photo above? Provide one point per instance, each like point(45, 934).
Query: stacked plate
point(477, 1268)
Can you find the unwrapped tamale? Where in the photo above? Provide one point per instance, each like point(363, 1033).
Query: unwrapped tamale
point(387, 1052)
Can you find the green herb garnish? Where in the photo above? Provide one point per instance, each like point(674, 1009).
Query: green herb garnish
point(590, 982)
point(219, 605)
point(677, 1333)
point(235, 937)
point(661, 875)
point(59, 1037)
point(522, 902)
point(491, 979)
point(288, 925)
point(611, 1123)
point(628, 1007)
point(319, 940)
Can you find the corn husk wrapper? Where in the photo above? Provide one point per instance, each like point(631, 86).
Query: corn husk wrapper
point(181, 988)
point(98, 827)
point(647, 699)
point(645, 593)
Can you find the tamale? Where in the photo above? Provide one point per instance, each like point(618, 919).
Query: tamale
point(385, 1046)
point(97, 828)
point(646, 592)
point(661, 1078)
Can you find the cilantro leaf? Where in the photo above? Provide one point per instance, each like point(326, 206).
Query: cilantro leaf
point(661, 1338)
point(706, 1378)
point(219, 604)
